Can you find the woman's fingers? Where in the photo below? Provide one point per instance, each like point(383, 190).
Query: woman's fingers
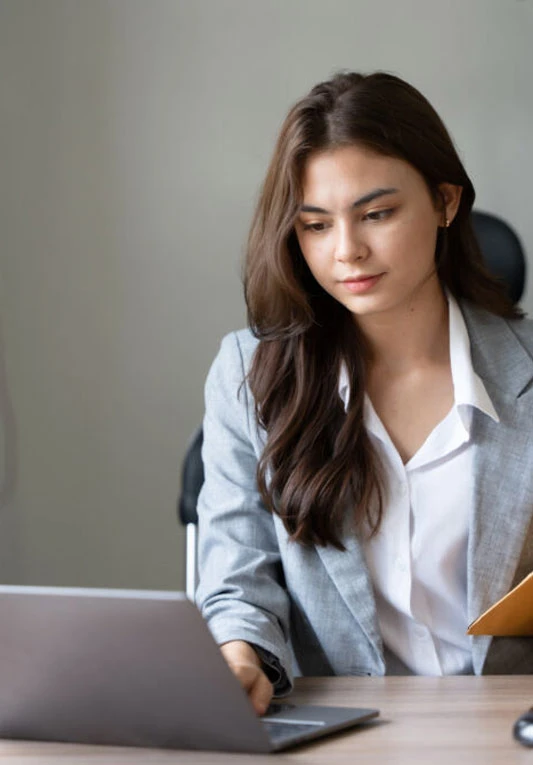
point(256, 684)
point(246, 666)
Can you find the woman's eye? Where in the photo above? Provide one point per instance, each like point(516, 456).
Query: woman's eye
point(379, 214)
point(316, 227)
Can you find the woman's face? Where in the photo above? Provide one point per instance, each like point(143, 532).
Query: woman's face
point(367, 228)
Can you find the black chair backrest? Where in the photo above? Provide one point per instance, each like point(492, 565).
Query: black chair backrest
point(192, 479)
point(502, 252)
point(503, 256)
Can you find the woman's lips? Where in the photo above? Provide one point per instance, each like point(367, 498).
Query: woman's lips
point(359, 285)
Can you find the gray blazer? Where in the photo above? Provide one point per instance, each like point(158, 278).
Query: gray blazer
point(313, 608)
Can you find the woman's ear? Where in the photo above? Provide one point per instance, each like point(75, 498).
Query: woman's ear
point(451, 197)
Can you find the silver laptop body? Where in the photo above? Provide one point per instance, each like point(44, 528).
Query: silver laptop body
point(132, 668)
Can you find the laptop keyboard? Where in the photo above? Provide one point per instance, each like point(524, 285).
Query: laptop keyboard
point(279, 706)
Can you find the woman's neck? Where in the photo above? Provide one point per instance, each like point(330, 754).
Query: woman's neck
point(412, 335)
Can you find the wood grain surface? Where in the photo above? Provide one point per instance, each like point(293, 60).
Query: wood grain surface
point(431, 721)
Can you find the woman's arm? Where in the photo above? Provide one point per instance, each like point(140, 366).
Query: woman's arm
point(241, 591)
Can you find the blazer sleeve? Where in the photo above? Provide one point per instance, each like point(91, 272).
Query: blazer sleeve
point(241, 592)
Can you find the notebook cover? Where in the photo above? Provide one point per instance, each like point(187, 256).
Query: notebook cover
point(511, 616)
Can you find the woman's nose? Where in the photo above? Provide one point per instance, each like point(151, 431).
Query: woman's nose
point(349, 245)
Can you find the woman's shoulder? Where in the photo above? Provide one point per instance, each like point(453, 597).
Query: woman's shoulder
point(488, 328)
point(523, 328)
point(238, 347)
point(232, 362)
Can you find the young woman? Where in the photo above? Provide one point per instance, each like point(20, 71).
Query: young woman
point(367, 442)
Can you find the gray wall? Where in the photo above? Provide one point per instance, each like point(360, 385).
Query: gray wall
point(134, 135)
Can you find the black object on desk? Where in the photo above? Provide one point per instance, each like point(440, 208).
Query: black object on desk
point(523, 728)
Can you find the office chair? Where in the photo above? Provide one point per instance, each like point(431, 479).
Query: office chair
point(502, 252)
point(192, 478)
point(503, 256)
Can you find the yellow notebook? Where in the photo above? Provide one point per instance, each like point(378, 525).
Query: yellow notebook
point(510, 616)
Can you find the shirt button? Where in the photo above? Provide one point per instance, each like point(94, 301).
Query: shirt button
point(403, 489)
point(421, 632)
point(402, 566)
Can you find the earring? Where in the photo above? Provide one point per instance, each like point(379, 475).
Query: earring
point(447, 223)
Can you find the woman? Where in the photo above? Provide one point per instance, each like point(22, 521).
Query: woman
point(369, 476)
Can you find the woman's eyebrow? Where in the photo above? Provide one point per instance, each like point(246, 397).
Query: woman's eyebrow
point(361, 201)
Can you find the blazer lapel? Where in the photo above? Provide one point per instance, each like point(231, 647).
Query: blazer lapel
point(503, 493)
point(349, 573)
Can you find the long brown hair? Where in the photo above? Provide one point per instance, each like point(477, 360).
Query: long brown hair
point(318, 457)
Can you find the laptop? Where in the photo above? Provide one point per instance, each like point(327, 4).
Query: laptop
point(133, 668)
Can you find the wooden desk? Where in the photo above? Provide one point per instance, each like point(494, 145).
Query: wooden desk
point(431, 721)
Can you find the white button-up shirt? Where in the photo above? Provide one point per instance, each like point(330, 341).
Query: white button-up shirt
point(417, 560)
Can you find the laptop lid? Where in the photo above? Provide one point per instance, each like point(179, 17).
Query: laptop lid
point(130, 668)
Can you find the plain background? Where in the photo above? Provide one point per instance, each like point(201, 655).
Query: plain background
point(134, 135)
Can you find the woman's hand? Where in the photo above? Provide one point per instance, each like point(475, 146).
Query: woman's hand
point(246, 666)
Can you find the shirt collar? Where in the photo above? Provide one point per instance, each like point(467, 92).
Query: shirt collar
point(469, 389)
